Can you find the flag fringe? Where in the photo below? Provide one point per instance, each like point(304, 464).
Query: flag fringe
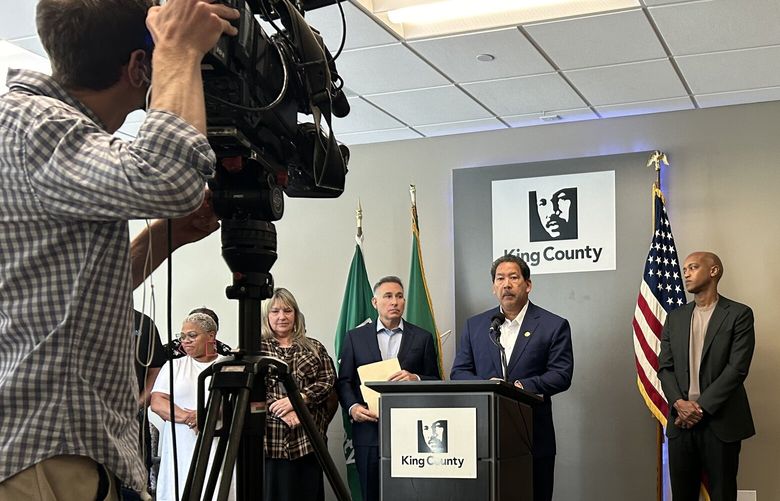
point(653, 409)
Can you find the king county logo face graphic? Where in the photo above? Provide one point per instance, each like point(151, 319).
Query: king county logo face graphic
point(552, 216)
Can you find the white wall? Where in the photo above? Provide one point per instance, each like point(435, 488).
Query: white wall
point(721, 193)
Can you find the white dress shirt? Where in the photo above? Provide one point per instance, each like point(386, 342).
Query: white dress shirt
point(510, 329)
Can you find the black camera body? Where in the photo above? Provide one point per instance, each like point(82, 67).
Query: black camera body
point(255, 86)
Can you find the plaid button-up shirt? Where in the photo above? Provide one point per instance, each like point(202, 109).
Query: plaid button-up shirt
point(315, 376)
point(67, 189)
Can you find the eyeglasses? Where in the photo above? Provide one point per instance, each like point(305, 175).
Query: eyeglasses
point(192, 336)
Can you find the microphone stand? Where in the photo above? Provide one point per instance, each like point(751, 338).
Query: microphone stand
point(496, 330)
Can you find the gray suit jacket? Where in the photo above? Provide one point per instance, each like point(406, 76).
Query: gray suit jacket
point(725, 360)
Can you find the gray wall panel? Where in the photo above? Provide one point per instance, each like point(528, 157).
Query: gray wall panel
point(599, 306)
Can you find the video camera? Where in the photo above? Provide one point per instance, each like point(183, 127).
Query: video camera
point(255, 86)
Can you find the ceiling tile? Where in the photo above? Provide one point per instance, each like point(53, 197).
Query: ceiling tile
point(362, 30)
point(519, 96)
point(698, 27)
point(379, 136)
point(738, 97)
point(13, 56)
point(18, 19)
point(430, 106)
point(364, 116)
point(532, 119)
point(600, 40)
point(386, 69)
point(457, 55)
point(663, 2)
point(461, 127)
point(734, 70)
point(628, 83)
point(645, 107)
point(125, 137)
point(32, 44)
point(132, 123)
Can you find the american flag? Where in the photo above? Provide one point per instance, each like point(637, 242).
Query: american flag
point(660, 292)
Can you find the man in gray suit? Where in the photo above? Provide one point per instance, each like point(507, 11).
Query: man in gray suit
point(706, 349)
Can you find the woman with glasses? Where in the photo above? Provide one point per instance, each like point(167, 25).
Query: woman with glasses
point(198, 341)
point(292, 472)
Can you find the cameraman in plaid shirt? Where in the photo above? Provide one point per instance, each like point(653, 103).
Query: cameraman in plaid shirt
point(67, 268)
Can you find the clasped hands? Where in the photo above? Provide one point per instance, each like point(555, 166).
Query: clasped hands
point(283, 409)
point(191, 419)
point(688, 413)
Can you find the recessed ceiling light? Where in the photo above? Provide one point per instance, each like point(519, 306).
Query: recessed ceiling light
point(550, 118)
point(425, 18)
point(486, 58)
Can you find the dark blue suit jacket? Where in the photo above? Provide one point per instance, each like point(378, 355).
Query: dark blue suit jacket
point(543, 362)
point(417, 354)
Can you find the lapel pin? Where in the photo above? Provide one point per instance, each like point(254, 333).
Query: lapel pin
point(527, 334)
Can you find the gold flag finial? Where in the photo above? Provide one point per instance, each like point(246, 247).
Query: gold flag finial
point(656, 159)
point(413, 194)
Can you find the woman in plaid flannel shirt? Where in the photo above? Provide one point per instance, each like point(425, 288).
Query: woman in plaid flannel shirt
point(292, 472)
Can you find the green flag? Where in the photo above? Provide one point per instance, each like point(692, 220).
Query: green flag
point(419, 308)
point(356, 309)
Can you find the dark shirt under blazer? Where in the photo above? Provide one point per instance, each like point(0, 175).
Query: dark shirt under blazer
point(725, 360)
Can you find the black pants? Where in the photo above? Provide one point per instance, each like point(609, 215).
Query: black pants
point(544, 475)
point(294, 480)
point(696, 451)
point(367, 463)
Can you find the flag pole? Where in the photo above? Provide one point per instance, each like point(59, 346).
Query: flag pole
point(655, 161)
point(359, 223)
point(419, 307)
point(413, 195)
point(356, 310)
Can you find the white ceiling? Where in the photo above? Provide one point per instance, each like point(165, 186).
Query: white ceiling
point(667, 55)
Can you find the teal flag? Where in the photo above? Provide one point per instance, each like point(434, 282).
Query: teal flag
point(419, 308)
point(356, 309)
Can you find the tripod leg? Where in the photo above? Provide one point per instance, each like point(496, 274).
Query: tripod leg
point(240, 410)
point(320, 446)
point(200, 459)
point(219, 454)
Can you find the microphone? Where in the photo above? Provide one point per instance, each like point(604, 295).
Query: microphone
point(495, 328)
point(495, 324)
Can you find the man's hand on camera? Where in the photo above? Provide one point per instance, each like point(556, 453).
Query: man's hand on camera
point(190, 25)
point(183, 31)
point(195, 226)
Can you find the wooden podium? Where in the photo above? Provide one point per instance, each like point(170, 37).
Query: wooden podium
point(455, 441)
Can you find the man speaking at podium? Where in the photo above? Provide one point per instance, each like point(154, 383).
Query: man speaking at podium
point(537, 356)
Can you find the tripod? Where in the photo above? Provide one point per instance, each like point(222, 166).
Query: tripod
point(237, 389)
